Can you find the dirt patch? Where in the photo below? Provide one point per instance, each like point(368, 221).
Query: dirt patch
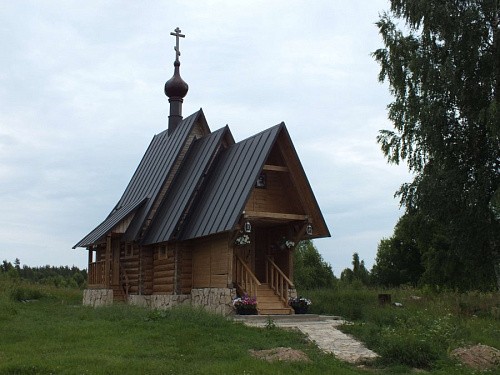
point(479, 357)
point(280, 354)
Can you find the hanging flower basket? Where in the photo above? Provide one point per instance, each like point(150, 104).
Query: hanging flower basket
point(242, 240)
point(286, 244)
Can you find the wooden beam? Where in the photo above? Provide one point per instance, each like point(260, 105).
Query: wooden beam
point(276, 168)
point(273, 215)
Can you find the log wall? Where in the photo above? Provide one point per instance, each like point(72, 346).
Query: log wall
point(163, 269)
point(129, 258)
point(212, 260)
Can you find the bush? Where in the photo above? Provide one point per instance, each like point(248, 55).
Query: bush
point(409, 351)
point(25, 293)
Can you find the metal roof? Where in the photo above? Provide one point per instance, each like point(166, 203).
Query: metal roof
point(184, 188)
point(109, 223)
point(219, 206)
point(150, 176)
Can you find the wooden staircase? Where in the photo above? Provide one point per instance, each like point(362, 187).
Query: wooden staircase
point(269, 303)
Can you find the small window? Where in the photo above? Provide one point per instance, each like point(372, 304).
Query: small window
point(129, 250)
point(162, 252)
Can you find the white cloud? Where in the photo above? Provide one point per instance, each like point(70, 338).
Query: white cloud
point(81, 95)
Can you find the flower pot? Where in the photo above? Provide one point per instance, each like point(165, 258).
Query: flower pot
point(246, 311)
point(300, 309)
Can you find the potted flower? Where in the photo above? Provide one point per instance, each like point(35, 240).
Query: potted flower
point(245, 305)
point(299, 304)
point(242, 240)
point(286, 244)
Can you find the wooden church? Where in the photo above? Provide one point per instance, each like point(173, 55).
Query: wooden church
point(205, 219)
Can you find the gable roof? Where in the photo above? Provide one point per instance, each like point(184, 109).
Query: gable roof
point(213, 180)
point(149, 178)
point(109, 223)
point(220, 205)
point(185, 187)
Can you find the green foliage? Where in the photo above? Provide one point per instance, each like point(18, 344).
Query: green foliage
point(358, 274)
point(49, 275)
point(443, 69)
point(310, 270)
point(423, 331)
point(399, 259)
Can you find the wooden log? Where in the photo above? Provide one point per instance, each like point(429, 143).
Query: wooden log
point(163, 288)
point(162, 274)
point(164, 267)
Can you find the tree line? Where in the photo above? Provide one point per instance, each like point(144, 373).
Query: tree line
point(62, 276)
point(441, 60)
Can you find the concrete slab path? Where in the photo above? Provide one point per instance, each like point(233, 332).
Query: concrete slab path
point(320, 329)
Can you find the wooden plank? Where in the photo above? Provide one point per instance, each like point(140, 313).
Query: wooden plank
point(164, 281)
point(273, 215)
point(276, 168)
point(163, 267)
point(161, 274)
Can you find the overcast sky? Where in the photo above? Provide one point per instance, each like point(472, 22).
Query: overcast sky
point(81, 96)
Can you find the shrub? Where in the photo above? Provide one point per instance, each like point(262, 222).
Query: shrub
point(408, 350)
point(24, 293)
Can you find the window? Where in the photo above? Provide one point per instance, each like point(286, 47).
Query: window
point(162, 252)
point(129, 250)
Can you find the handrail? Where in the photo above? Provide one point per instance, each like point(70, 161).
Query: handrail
point(245, 278)
point(96, 273)
point(124, 281)
point(277, 280)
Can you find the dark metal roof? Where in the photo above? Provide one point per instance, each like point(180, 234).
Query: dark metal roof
point(184, 187)
point(109, 223)
point(150, 175)
point(219, 206)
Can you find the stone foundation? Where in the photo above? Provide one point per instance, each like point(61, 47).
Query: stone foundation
point(97, 297)
point(216, 300)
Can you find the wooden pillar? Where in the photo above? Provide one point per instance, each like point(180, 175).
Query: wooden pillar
point(90, 256)
point(177, 270)
point(107, 264)
point(290, 263)
point(115, 248)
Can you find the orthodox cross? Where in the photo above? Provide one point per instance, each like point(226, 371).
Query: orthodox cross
point(177, 35)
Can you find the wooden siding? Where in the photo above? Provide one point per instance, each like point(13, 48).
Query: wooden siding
point(185, 280)
point(130, 262)
point(212, 262)
point(279, 195)
point(163, 269)
point(147, 270)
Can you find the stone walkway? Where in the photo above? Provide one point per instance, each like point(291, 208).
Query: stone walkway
point(322, 331)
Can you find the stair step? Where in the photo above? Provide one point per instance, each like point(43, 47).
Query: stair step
point(275, 311)
point(268, 298)
point(270, 305)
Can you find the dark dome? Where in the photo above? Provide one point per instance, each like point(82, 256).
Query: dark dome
point(175, 87)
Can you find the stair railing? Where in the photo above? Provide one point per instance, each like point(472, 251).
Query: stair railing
point(245, 279)
point(124, 281)
point(277, 280)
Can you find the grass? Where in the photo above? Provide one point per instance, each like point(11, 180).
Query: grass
point(54, 334)
point(422, 332)
point(46, 330)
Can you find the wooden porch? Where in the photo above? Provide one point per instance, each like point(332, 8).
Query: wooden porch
point(272, 294)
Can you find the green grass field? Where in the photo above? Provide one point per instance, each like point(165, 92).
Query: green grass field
point(53, 333)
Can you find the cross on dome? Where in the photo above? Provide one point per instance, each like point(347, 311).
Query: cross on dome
point(177, 35)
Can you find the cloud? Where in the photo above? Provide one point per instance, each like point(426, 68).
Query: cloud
point(81, 96)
